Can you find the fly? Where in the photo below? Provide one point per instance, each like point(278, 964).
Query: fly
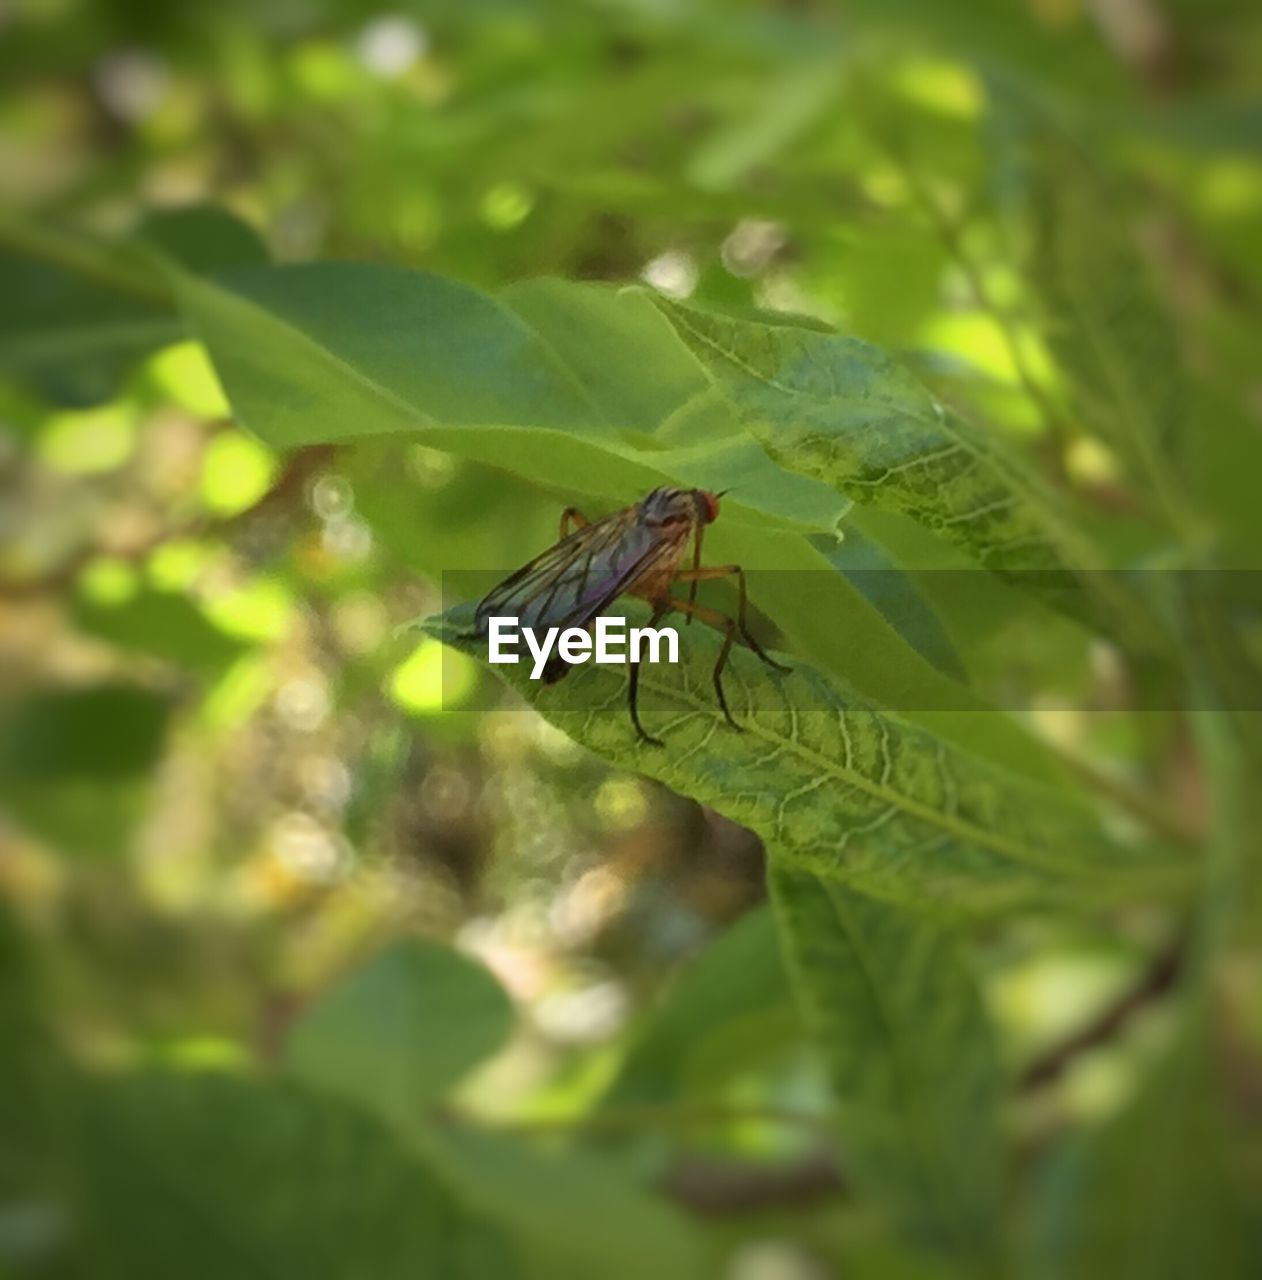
point(636, 551)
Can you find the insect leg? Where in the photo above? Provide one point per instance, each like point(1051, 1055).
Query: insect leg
point(720, 622)
point(696, 568)
point(572, 516)
point(726, 571)
point(633, 686)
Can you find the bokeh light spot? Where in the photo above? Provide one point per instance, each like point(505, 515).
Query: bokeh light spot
point(673, 273)
point(89, 441)
point(620, 803)
point(236, 472)
point(108, 581)
point(506, 205)
point(130, 83)
point(258, 610)
point(390, 44)
point(945, 88)
point(433, 679)
point(176, 565)
point(1090, 461)
point(323, 71)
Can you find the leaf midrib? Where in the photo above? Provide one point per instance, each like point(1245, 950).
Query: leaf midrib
point(104, 336)
point(910, 1101)
point(897, 800)
point(1162, 876)
point(1019, 854)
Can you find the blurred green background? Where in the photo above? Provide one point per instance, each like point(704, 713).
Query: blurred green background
point(253, 832)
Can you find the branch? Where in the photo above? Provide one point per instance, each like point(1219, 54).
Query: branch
point(1158, 979)
point(707, 1185)
point(1161, 821)
point(719, 1189)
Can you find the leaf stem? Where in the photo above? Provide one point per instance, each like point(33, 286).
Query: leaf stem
point(1150, 813)
point(949, 233)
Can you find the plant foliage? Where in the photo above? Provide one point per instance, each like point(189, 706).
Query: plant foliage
point(324, 951)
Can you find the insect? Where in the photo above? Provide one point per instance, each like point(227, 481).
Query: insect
point(635, 551)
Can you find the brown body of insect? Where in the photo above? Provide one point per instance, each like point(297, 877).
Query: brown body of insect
point(636, 551)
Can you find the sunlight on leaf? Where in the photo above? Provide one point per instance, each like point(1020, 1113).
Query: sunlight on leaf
point(185, 375)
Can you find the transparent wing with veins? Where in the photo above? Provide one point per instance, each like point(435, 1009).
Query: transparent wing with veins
point(571, 582)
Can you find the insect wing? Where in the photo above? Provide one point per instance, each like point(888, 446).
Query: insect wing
point(571, 582)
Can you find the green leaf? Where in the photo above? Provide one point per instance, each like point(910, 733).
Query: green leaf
point(1104, 322)
point(74, 763)
point(730, 1007)
point(910, 1054)
point(1153, 1191)
point(897, 595)
point(397, 1033)
point(107, 731)
point(28, 1074)
point(204, 1176)
point(837, 786)
point(72, 338)
point(338, 351)
point(162, 624)
point(574, 1214)
point(607, 338)
point(789, 106)
point(202, 238)
point(844, 412)
point(830, 621)
point(75, 317)
point(91, 817)
point(531, 384)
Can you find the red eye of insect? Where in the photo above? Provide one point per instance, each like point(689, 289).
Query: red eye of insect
point(711, 506)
